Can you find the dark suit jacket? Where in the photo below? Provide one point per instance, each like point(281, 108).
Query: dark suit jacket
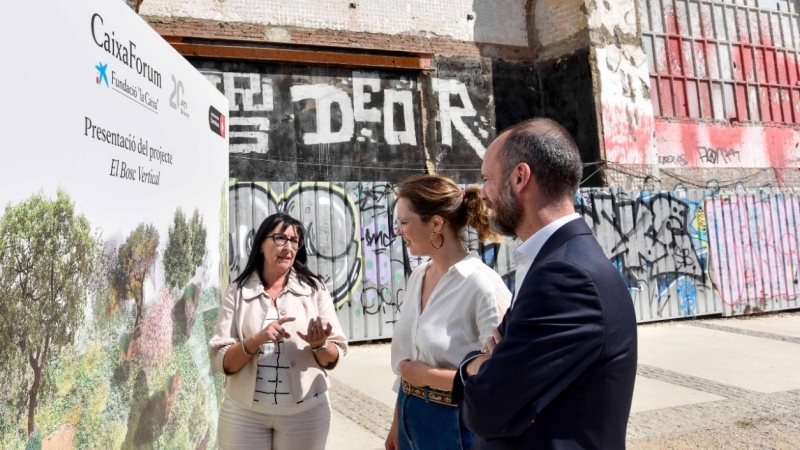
point(562, 377)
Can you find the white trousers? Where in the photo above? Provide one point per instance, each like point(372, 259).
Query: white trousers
point(243, 429)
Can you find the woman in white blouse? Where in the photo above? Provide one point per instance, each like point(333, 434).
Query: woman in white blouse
point(276, 337)
point(452, 305)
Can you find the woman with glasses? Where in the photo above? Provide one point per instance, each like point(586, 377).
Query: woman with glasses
point(452, 305)
point(276, 335)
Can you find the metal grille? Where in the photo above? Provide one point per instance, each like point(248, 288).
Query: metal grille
point(725, 60)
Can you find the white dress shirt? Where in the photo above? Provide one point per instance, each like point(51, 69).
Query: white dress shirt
point(526, 253)
point(524, 256)
point(465, 306)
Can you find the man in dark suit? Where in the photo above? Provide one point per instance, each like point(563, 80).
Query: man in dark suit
point(560, 370)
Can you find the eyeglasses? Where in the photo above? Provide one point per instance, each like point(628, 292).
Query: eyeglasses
point(281, 240)
point(400, 222)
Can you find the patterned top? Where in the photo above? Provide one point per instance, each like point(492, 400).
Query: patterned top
point(273, 384)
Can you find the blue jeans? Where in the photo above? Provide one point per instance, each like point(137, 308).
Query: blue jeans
point(424, 425)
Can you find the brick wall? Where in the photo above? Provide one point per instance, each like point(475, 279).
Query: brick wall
point(418, 42)
point(557, 26)
point(487, 21)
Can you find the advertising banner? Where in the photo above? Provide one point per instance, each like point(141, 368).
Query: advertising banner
point(113, 217)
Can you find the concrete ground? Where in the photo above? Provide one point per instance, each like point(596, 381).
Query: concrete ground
point(705, 383)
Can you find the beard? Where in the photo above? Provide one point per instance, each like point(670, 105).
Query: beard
point(507, 211)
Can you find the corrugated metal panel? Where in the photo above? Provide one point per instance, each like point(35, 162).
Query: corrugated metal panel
point(755, 266)
point(682, 253)
point(658, 243)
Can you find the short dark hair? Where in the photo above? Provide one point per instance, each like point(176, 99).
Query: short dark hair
point(255, 262)
point(551, 153)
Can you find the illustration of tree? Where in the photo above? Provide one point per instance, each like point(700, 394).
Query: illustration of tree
point(136, 256)
point(198, 240)
point(186, 246)
point(157, 330)
point(46, 262)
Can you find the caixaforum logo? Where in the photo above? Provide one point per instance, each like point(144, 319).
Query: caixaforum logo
point(102, 73)
point(216, 120)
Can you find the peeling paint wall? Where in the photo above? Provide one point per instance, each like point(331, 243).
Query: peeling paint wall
point(626, 114)
point(489, 21)
point(725, 93)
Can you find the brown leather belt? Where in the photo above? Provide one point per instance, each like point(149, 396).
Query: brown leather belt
point(429, 394)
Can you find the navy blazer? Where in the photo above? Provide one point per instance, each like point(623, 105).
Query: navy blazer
point(562, 376)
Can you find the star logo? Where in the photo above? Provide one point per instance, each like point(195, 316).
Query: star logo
point(101, 73)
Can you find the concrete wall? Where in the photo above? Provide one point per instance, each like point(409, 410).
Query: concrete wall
point(622, 87)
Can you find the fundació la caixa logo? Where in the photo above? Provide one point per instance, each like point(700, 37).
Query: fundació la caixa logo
point(102, 76)
point(216, 120)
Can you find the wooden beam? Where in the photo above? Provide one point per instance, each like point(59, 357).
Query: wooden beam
point(307, 56)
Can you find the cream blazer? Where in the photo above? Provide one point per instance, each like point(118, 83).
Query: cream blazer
point(241, 316)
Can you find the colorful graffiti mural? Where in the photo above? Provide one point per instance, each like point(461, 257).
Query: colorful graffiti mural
point(351, 243)
point(659, 244)
point(682, 253)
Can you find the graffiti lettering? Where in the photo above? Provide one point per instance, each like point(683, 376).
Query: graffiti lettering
point(658, 244)
point(717, 155)
point(679, 160)
point(453, 117)
point(382, 238)
point(337, 108)
point(325, 96)
point(250, 96)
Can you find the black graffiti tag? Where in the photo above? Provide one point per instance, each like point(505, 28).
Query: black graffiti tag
point(717, 155)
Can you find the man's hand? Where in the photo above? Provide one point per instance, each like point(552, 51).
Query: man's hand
point(475, 365)
point(414, 372)
point(491, 343)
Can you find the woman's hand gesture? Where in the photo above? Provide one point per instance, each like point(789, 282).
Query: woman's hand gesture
point(275, 332)
point(316, 335)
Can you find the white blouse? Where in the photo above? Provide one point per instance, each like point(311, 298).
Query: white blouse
point(463, 309)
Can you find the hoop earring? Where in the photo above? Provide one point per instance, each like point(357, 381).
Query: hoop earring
point(431, 241)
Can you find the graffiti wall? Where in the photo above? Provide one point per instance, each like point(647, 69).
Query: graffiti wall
point(659, 243)
point(691, 253)
point(463, 115)
point(682, 253)
point(756, 265)
point(314, 123)
point(351, 243)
